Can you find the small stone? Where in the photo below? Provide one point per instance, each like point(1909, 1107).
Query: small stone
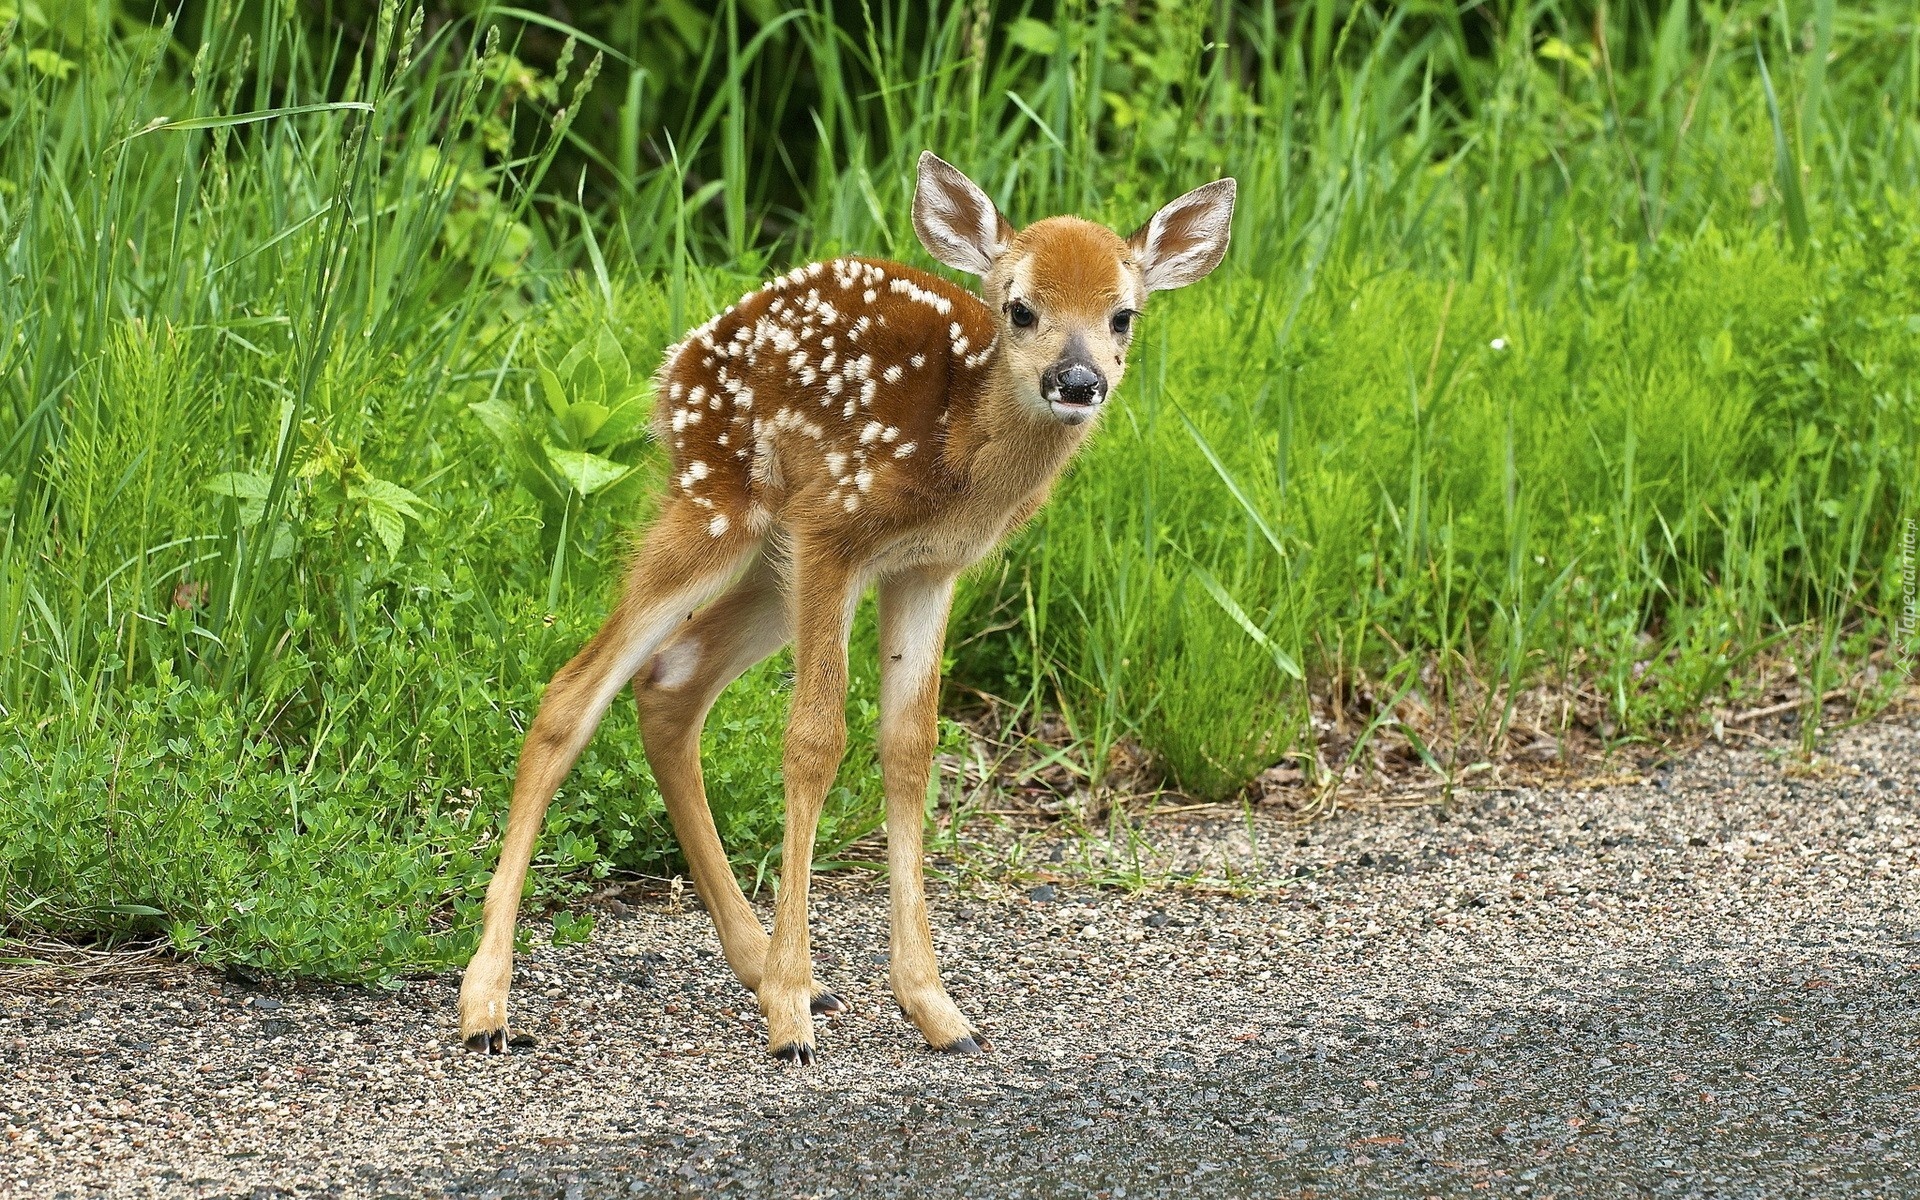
point(1042, 894)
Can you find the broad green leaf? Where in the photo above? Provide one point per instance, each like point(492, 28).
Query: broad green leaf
point(501, 419)
point(388, 526)
point(587, 473)
point(580, 375)
point(241, 485)
point(554, 391)
point(390, 495)
point(625, 419)
point(283, 541)
point(1034, 35)
point(615, 371)
point(582, 420)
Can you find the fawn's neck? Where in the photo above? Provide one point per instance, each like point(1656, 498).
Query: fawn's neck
point(1002, 445)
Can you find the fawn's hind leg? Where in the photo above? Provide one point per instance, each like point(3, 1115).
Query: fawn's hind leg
point(674, 691)
point(680, 567)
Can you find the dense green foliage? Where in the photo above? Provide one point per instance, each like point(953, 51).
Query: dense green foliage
point(1548, 350)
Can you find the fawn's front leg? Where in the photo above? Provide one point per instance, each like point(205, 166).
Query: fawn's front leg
point(824, 591)
point(913, 625)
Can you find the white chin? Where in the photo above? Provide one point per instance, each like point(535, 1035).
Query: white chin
point(1072, 414)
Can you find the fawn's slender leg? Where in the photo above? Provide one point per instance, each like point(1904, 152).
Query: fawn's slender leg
point(680, 567)
point(824, 592)
point(674, 692)
point(913, 625)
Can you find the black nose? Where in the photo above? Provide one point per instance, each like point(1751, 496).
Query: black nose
point(1080, 384)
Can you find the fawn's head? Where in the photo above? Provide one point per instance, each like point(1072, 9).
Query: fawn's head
point(1067, 290)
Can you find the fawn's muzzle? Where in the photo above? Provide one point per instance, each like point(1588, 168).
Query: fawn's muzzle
point(1073, 390)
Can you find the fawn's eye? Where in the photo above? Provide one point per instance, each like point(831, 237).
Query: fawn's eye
point(1021, 316)
point(1123, 322)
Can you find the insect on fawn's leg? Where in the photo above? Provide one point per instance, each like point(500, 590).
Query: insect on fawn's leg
point(913, 622)
point(667, 581)
point(823, 597)
point(674, 692)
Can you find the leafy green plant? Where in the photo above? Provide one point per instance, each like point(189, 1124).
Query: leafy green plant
point(583, 444)
point(334, 496)
point(571, 929)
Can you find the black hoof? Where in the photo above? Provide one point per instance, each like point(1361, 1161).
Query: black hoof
point(795, 1052)
point(493, 1042)
point(965, 1046)
point(826, 1004)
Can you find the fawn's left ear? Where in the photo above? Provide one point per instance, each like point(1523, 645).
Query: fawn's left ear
point(956, 222)
point(1186, 239)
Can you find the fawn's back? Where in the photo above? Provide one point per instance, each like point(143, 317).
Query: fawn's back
point(827, 393)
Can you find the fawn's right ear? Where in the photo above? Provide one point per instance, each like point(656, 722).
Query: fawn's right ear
point(956, 222)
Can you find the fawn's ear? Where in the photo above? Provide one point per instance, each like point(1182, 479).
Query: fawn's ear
point(1186, 239)
point(956, 222)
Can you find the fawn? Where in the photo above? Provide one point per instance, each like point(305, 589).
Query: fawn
point(854, 421)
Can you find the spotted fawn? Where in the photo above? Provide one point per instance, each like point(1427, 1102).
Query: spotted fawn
point(852, 422)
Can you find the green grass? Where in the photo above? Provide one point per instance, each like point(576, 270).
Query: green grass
point(292, 532)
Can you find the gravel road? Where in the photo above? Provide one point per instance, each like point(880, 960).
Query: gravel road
point(1704, 984)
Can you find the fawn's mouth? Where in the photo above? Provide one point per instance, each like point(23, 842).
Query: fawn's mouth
point(1070, 412)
